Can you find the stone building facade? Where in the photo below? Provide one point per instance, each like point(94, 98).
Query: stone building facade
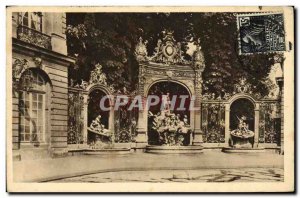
point(40, 84)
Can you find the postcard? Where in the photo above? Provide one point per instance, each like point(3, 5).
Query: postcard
point(150, 99)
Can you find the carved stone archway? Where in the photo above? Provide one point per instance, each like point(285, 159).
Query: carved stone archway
point(94, 110)
point(97, 82)
point(243, 90)
point(168, 64)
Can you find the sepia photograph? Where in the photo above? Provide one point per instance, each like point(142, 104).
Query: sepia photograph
point(150, 99)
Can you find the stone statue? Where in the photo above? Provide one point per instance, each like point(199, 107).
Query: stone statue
point(171, 130)
point(96, 124)
point(243, 126)
point(242, 137)
point(141, 51)
point(97, 127)
point(166, 103)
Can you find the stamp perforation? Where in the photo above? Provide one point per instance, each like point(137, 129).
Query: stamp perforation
point(259, 43)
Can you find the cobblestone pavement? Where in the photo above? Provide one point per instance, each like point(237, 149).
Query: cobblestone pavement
point(208, 162)
point(201, 175)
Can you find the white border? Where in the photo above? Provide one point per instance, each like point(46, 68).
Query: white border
point(4, 3)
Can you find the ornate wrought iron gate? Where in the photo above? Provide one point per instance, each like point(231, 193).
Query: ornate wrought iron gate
point(125, 124)
point(269, 122)
point(213, 122)
point(75, 120)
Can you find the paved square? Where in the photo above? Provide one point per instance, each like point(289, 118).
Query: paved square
point(209, 166)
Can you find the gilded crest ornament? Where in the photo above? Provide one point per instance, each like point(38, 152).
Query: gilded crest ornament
point(243, 86)
point(97, 76)
point(167, 50)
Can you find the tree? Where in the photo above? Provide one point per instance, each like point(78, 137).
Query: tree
point(110, 39)
point(94, 41)
point(224, 66)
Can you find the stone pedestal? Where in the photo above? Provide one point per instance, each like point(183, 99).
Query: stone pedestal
point(141, 138)
point(242, 150)
point(239, 142)
point(174, 149)
point(198, 140)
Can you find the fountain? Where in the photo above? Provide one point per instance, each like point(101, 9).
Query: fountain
point(172, 132)
point(170, 128)
point(103, 142)
point(241, 138)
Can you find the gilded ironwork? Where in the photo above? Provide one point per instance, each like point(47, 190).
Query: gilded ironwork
point(125, 125)
point(269, 130)
point(97, 77)
point(243, 86)
point(75, 119)
point(213, 122)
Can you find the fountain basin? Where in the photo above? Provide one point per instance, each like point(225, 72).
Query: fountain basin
point(106, 151)
point(242, 150)
point(173, 149)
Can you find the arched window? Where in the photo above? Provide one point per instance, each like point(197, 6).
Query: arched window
point(32, 106)
point(32, 20)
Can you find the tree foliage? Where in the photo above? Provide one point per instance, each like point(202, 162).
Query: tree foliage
point(224, 66)
point(110, 39)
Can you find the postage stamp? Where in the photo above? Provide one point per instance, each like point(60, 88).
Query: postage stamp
point(261, 33)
